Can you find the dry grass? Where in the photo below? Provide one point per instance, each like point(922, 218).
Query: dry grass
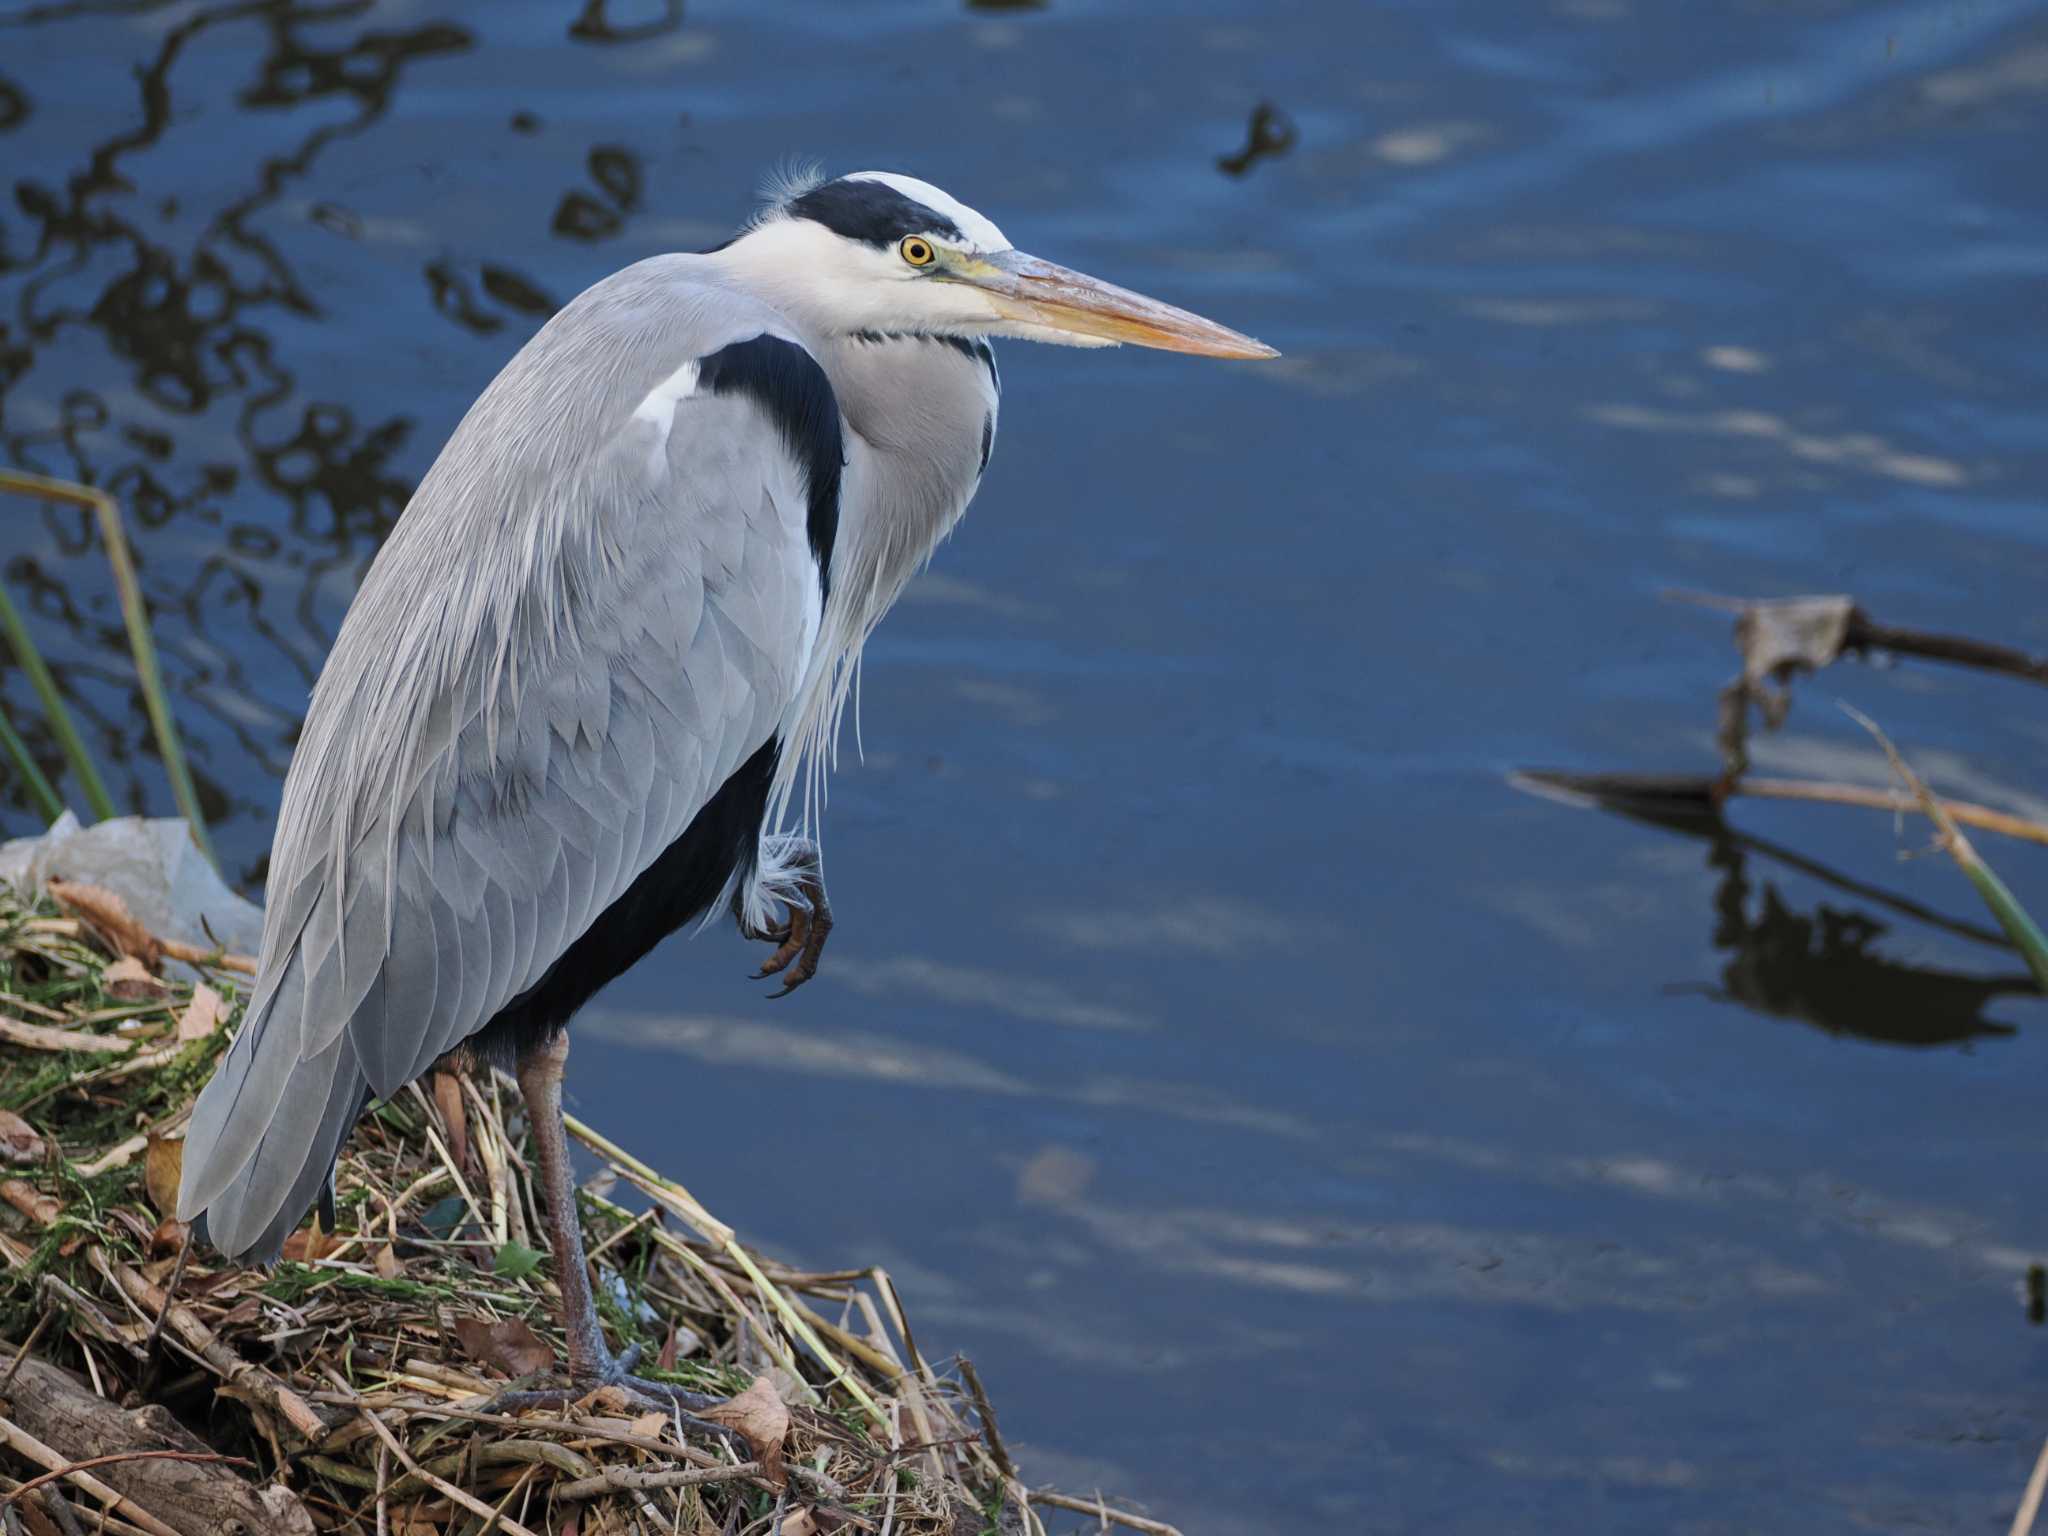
point(359, 1372)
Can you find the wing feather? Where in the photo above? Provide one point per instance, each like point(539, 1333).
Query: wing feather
point(550, 669)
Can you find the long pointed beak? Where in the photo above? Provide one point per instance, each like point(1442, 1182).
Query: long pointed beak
point(1040, 293)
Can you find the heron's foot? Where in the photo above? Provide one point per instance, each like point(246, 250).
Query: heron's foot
point(617, 1371)
point(800, 938)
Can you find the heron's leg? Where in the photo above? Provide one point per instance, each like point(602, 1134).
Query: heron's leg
point(802, 937)
point(540, 1084)
point(591, 1364)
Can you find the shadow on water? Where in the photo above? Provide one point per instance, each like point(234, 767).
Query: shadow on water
point(1826, 968)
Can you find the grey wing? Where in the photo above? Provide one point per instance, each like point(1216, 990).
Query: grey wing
point(490, 759)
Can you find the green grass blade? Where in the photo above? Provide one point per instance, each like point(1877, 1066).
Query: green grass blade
point(2019, 926)
point(2024, 932)
point(45, 793)
point(97, 799)
point(135, 614)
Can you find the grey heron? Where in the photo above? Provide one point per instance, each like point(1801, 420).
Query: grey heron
point(591, 683)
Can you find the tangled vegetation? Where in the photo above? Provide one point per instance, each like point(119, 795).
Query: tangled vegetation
point(150, 1387)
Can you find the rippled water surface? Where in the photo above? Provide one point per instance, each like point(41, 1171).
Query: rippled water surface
point(1302, 1128)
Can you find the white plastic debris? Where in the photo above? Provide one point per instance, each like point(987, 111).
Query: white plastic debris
point(152, 865)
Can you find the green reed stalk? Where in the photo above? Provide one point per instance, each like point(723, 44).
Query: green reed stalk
point(136, 616)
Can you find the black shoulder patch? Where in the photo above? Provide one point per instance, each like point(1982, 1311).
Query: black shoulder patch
point(788, 384)
point(872, 212)
point(988, 440)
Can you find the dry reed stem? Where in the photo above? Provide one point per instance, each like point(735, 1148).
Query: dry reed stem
point(27, 1446)
point(105, 1461)
point(1982, 817)
point(2030, 1501)
point(628, 1479)
point(439, 1484)
point(1103, 1511)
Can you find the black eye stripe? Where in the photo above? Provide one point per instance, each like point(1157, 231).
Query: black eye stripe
point(872, 212)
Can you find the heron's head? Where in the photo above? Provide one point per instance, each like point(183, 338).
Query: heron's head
point(876, 251)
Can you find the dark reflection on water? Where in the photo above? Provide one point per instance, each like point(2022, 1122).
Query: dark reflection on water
point(1301, 1129)
point(1829, 968)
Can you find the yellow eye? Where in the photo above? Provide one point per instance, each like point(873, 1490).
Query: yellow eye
point(916, 250)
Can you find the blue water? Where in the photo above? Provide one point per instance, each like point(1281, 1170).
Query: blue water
point(1300, 1127)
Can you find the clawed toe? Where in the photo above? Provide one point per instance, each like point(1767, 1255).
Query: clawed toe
point(666, 1395)
point(800, 939)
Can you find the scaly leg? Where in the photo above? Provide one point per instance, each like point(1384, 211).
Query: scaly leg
point(591, 1364)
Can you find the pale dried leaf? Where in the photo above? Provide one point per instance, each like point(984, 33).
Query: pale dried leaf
point(613, 1401)
point(801, 1521)
point(650, 1424)
point(163, 1164)
point(681, 1341)
point(129, 980)
point(1787, 635)
point(386, 1262)
point(19, 1142)
point(762, 1419)
point(38, 1207)
point(309, 1244)
point(508, 1345)
point(203, 1015)
point(108, 917)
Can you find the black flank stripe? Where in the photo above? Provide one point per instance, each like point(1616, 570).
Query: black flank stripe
point(788, 383)
point(724, 836)
point(872, 212)
point(988, 440)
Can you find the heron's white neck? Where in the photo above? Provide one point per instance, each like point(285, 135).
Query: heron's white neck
point(921, 417)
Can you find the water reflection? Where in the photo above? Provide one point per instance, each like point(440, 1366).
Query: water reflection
point(594, 23)
point(190, 304)
point(1272, 133)
point(579, 216)
point(1827, 968)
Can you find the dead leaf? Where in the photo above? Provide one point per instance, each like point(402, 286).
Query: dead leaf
point(508, 1345)
point(163, 1164)
point(19, 1142)
point(614, 1402)
point(454, 1124)
point(801, 1521)
point(760, 1417)
point(38, 1207)
point(309, 1245)
point(108, 917)
point(386, 1262)
point(70, 1246)
point(128, 980)
point(650, 1424)
point(1780, 636)
point(168, 1238)
point(203, 1015)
